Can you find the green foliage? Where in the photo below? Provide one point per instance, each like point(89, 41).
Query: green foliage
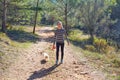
point(93, 55)
point(100, 44)
point(110, 61)
point(90, 12)
point(115, 12)
point(9, 26)
point(118, 2)
point(116, 62)
point(90, 47)
point(73, 35)
point(78, 38)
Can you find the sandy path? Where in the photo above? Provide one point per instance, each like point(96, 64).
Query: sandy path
point(31, 67)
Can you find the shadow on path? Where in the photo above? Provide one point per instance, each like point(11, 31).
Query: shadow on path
point(43, 61)
point(22, 36)
point(43, 72)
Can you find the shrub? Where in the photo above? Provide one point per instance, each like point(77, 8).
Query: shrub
point(109, 49)
point(116, 62)
point(9, 26)
point(90, 47)
point(111, 56)
point(100, 44)
point(78, 38)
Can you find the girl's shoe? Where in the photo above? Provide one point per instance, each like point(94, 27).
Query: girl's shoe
point(61, 62)
point(56, 62)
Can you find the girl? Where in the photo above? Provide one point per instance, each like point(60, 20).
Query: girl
point(59, 40)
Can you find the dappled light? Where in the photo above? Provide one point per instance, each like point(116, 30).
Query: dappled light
point(60, 39)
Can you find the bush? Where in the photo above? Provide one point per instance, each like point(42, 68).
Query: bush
point(90, 47)
point(100, 44)
point(78, 38)
point(109, 49)
point(9, 26)
point(116, 62)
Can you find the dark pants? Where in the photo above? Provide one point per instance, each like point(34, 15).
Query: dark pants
point(58, 45)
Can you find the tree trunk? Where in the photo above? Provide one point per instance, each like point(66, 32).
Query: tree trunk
point(4, 16)
point(66, 22)
point(91, 37)
point(91, 34)
point(36, 13)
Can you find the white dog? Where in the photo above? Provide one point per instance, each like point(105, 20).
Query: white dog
point(46, 56)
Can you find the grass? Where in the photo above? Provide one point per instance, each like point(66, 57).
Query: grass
point(118, 78)
point(108, 62)
point(12, 42)
point(19, 36)
point(1, 54)
point(109, 65)
point(78, 39)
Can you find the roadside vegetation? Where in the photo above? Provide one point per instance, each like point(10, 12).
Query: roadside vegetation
point(100, 53)
point(92, 25)
point(13, 42)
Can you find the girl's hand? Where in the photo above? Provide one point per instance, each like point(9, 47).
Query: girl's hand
point(53, 47)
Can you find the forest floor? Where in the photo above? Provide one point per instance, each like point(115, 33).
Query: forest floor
point(30, 64)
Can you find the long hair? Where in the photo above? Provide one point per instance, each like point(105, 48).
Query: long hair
point(61, 24)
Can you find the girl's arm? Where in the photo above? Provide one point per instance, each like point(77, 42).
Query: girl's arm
point(67, 38)
point(54, 38)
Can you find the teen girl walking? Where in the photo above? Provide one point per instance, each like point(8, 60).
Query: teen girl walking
point(60, 33)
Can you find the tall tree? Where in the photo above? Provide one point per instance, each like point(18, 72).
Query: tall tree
point(90, 12)
point(4, 11)
point(66, 16)
point(36, 13)
point(65, 7)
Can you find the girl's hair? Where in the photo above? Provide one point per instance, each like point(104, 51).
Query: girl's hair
point(60, 23)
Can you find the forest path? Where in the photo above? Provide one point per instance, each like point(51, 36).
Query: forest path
point(30, 65)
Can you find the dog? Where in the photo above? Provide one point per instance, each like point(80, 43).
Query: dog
point(45, 56)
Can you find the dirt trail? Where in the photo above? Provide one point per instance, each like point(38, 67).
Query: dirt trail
point(30, 65)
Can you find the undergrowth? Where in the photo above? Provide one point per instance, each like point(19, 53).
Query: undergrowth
point(100, 53)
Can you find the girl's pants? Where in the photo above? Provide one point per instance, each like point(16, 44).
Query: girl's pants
point(58, 46)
